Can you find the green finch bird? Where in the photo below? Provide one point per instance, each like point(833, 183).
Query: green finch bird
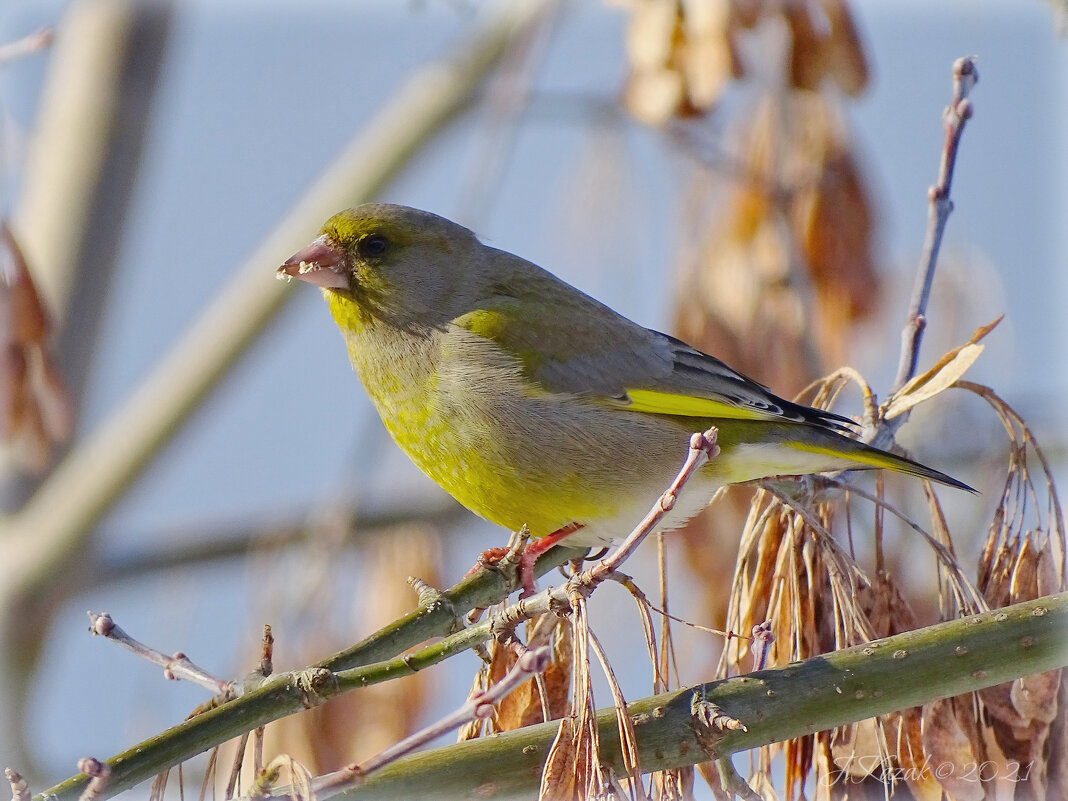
point(532, 403)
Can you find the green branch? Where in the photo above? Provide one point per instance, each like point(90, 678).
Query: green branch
point(791, 701)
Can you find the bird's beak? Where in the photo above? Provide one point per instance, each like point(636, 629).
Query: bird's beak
point(322, 263)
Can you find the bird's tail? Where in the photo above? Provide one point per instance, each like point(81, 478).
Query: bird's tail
point(866, 457)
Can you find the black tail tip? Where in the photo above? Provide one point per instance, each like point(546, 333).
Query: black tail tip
point(949, 481)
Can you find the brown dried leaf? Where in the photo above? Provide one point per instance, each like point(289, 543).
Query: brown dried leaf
point(944, 374)
point(916, 393)
point(708, 772)
point(654, 89)
point(799, 755)
point(33, 444)
point(835, 225)
point(54, 400)
point(1003, 774)
point(673, 785)
point(654, 95)
point(1023, 584)
point(912, 763)
point(1026, 717)
point(855, 748)
point(1047, 576)
point(573, 769)
point(887, 610)
point(1023, 743)
point(1057, 753)
point(846, 63)
point(1035, 696)
point(708, 57)
point(997, 586)
point(681, 57)
point(15, 390)
point(1000, 709)
point(26, 319)
point(653, 27)
point(764, 575)
point(558, 676)
point(36, 410)
point(808, 51)
point(799, 203)
point(523, 706)
point(559, 780)
point(475, 727)
point(946, 743)
point(746, 13)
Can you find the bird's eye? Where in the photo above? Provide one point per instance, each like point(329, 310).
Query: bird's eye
point(373, 245)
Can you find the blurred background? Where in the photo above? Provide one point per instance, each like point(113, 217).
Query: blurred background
point(754, 182)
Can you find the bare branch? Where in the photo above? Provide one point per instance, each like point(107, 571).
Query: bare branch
point(175, 666)
point(480, 705)
point(99, 774)
point(956, 114)
point(703, 447)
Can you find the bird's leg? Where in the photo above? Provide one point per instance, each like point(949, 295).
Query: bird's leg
point(536, 549)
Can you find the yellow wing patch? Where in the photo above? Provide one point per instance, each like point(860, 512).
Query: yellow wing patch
point(650, 400)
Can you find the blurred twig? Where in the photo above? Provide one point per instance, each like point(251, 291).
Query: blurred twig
point(216, 542)
point(31, 43)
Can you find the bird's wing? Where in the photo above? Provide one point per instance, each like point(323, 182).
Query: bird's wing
point(574, 344)
point(700, 385)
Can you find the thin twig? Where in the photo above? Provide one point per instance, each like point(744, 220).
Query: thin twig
point(99, 774)
point(235, 767)
point(703, 447)
point(503, 624)
point(734, 783)
point(31, 43)
point(970, 599)
point(480, 705)
point(217, 541)
point(762, 640)
point(175, 666)
point(20, 788)
point(956, 114)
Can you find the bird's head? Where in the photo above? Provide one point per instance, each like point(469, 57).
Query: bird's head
point(394, 263)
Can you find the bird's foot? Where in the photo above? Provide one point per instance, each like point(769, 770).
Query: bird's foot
point(490, 556)
point(527, 559)
point(494, 557)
